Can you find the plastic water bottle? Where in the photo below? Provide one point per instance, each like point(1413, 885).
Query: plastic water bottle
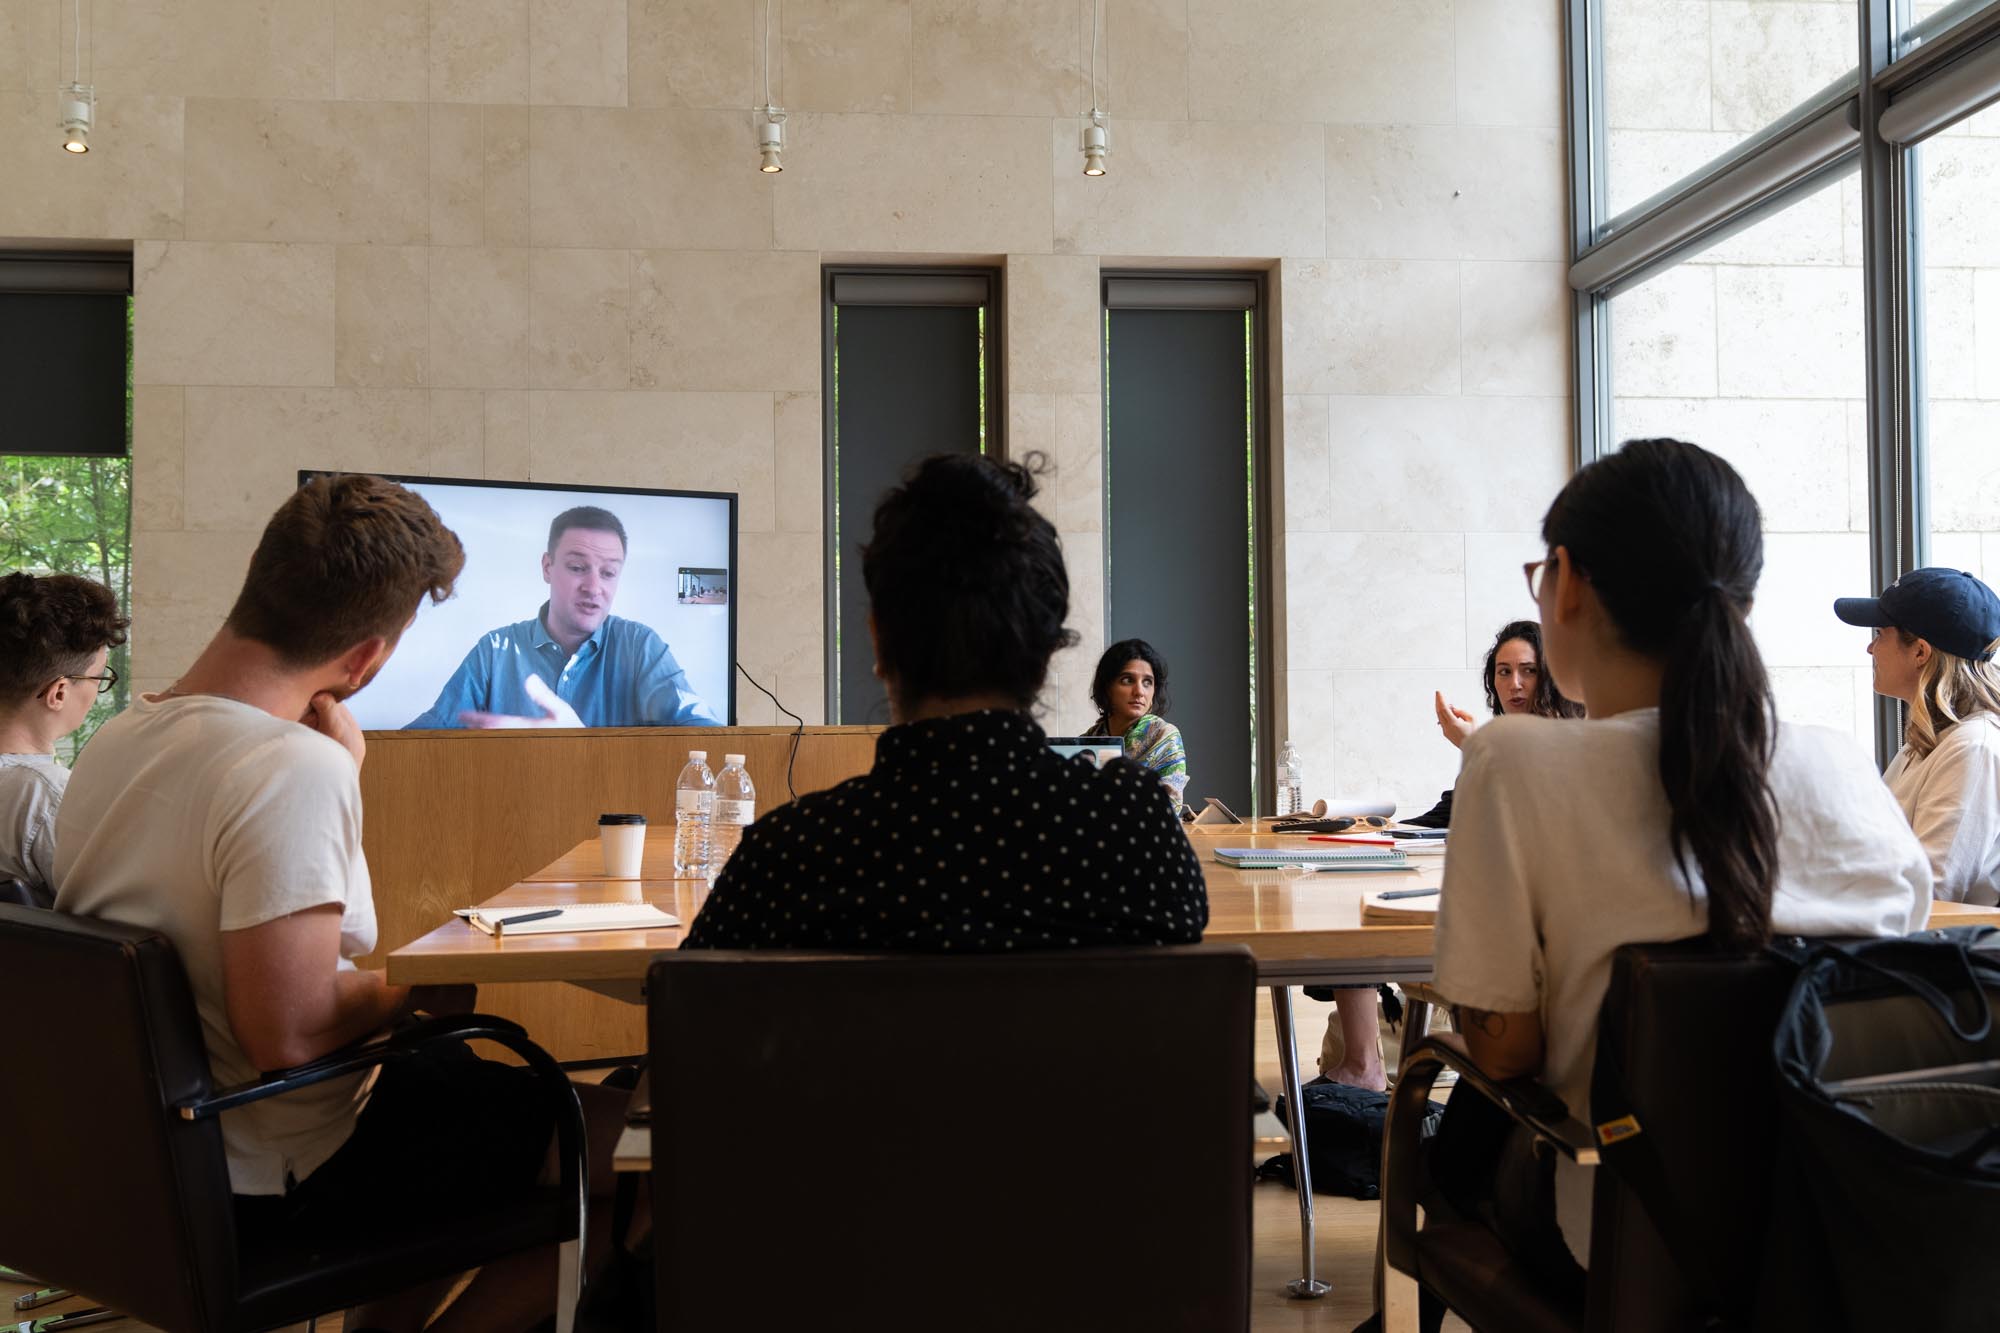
point(1291, 780)
point(735, 808)
point(694, 805)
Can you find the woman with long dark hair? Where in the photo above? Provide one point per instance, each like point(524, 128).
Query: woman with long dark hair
point(1681, 807)
point(1130, 691)
point(1516, 682)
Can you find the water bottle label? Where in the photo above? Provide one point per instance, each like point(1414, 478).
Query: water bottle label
point(691, 802)
point(735, 812)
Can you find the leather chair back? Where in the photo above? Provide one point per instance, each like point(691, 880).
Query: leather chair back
point(103, 1025)
point(1044, 1141)
point(13, 891)
point(1692, 1030)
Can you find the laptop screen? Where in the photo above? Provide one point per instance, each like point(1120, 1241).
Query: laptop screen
point(1099, 750)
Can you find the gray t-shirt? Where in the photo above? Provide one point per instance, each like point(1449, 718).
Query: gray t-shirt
point(31, 787)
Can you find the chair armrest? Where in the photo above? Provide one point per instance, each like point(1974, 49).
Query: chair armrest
point(1525, 1101)
point(392, 1045)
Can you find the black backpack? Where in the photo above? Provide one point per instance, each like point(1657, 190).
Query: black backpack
point(1888, 1198)
point(1343, 1140)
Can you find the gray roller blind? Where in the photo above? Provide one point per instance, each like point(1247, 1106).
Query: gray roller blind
point(1177, 483)
point(905, 383)
point(62, 353)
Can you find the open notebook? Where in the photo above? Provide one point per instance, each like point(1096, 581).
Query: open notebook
point(1383, 908)
point(526, 919)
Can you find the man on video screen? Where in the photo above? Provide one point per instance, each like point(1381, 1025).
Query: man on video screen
point(574, 664)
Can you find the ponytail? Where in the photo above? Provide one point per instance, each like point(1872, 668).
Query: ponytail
point(1672, 542)
point(1717, 730)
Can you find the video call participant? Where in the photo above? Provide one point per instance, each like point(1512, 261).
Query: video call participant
point(1515, 683)
point(1130, 691)
point(969, 834)
point(56, 633)
point(225, 812)
point(1934, 644)
point(1679, 808)
point(574, 664)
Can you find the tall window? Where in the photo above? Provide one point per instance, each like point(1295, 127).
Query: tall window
point(1753, 349)
point(1959, 175)
point(66, 431)
point(1685, 81)
point(1184, 479)
point(907, 376)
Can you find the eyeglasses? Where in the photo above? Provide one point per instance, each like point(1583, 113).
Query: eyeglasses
point(104, 682)
point(1533, 571)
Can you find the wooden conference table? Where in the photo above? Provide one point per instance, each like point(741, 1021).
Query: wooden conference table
point(1301, 931)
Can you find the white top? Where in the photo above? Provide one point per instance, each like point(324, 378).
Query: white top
point(1559, 855)
point(1952, 799)
point(197, 815)
point(31, 788)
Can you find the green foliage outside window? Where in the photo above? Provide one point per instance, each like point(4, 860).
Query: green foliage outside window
point(74, 516)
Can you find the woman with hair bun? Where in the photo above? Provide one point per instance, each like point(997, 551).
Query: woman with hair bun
point(969, 834)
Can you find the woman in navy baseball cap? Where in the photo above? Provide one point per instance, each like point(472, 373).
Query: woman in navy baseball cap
point(1936, 635)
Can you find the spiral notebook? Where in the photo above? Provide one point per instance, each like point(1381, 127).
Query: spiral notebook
point(1320, 856)
point(527, 919)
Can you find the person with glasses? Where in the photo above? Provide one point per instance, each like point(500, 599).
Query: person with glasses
point(1936, 635)
point(1679, 808)
point(56, 633)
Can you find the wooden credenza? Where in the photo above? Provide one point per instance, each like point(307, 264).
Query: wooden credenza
point(453, 817)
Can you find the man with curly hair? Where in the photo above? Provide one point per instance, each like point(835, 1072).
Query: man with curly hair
point(55, 633)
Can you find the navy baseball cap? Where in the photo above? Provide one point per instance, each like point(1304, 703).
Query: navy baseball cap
point(1951, 608)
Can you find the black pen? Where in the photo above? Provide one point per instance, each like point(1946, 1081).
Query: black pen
point(1405, 893)
point(502, 923)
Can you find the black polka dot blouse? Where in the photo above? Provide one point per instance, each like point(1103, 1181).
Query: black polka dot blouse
point(969, 835)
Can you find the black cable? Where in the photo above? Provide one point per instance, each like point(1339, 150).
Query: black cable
point(797, 732)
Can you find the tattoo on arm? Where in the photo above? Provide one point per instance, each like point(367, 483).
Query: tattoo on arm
point(1485, 1022)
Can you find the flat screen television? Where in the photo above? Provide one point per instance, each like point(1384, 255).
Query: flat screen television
point(628, 620)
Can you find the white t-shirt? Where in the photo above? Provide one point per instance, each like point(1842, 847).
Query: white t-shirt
point(197, 815)
point(31, 788)
point(1560, 854)
point(1952, 799)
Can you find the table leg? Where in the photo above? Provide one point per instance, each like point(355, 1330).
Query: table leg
point(1307, 1287)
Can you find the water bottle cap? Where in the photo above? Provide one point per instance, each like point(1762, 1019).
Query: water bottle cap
point(736, 759)
point(697, 756)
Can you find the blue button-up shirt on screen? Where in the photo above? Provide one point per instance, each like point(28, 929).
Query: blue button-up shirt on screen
point(623, 675)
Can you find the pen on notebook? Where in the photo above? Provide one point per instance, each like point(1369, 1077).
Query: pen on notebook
point(505, 921)
point(1405, 893)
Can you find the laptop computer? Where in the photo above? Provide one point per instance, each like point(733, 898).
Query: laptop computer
point(1099, 750)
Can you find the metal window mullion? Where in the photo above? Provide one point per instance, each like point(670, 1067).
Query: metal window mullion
point(1890, 293)
point(1588, 195)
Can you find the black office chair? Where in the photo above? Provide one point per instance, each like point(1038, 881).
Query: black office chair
point(118, 1123)
point(1691, 1028)
point(1049, 1141)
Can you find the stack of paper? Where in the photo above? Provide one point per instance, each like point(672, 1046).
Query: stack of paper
point(1320, 856)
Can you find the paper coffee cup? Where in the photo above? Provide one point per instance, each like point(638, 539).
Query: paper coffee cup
point(623, 839)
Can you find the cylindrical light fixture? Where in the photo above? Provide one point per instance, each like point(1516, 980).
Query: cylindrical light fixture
point(770, 139)
point(1096, 144)
point(78, 104)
